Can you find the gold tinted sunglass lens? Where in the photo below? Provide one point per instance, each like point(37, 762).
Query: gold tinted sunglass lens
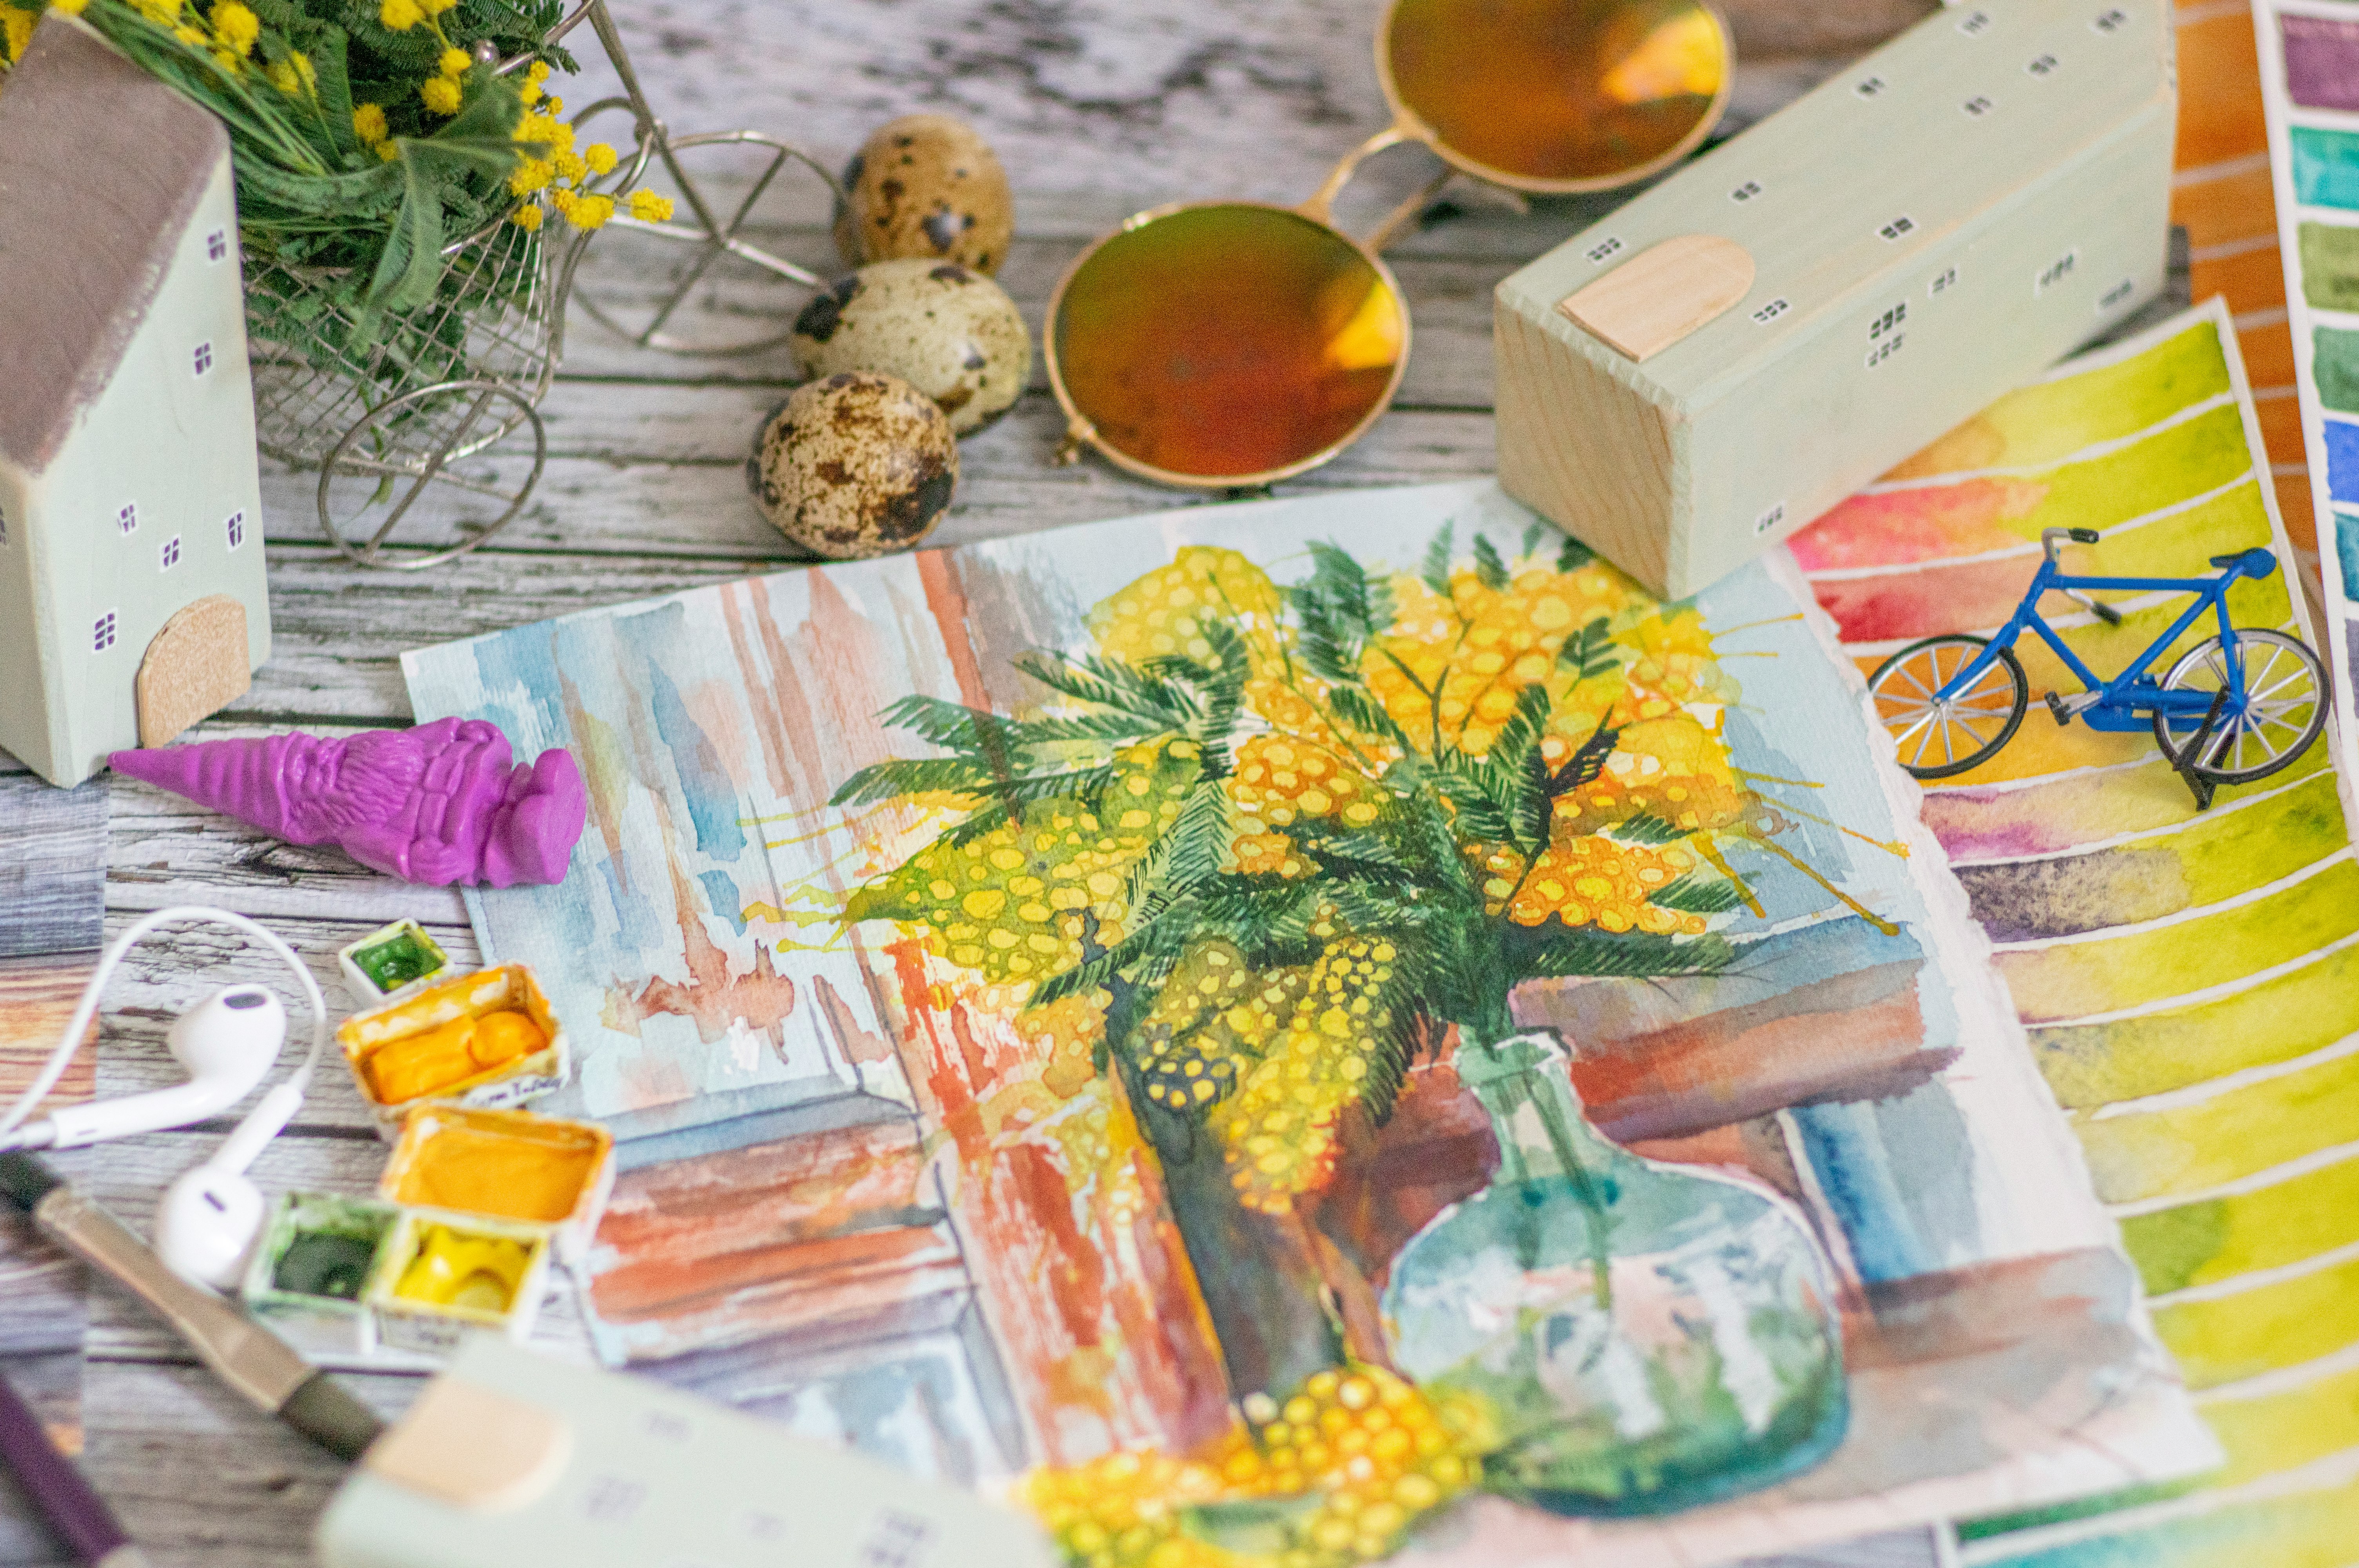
point(1227, 341)
point(1559, 91)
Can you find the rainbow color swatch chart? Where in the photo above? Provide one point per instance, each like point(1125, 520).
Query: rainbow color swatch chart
point(2310, 88)
point(2188, 979)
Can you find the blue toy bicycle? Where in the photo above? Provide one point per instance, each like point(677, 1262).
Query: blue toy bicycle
point(2235, 708)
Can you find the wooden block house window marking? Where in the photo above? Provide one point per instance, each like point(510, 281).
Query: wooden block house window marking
point(217, 245)
point(101, 633)
point(612, 1500)
point(897, 1541)
point(2040, 65)
point(1974, 23)
point(126, 517)
point(1974, 108)
point(2111, 21)
point(1747, 191)
point(236, 528)
point(204, 357)
point(170, 554)
point(1904, 224)
point(1870, 86)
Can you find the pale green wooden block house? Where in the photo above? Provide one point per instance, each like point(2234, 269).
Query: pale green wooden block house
point(1931, 227)
point(129, 497)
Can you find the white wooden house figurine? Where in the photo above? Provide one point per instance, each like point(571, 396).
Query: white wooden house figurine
point(1729, 354)
point(132, 602)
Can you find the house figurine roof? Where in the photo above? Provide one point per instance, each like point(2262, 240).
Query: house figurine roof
point(102, 168)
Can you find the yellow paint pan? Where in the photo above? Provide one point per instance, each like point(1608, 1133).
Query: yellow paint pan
point(442, 1275)
point(487, 1039)
point(510, 1164)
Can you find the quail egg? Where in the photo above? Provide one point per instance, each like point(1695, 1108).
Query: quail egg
point(854, 465)
point(926, 185)
point(952, 334)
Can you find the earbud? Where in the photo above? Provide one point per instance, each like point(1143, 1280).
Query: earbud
point(226, 1042)
point(210, 1216)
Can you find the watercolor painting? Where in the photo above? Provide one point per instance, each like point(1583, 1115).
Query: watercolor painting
point(2189, 981)
point(1300, 1031)
point(2309, 54)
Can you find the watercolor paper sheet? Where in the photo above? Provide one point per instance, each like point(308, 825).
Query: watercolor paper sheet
point(2310, 81)
point(876, 1187)
point(2189, 981)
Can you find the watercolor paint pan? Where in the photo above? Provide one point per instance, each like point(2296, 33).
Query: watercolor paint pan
point(436, 1044)
point(391, 962)
point(311, 1267)
point(441, 1276)
point(508, 1164)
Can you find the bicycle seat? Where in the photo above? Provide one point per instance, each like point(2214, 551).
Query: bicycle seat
point(2257, 562)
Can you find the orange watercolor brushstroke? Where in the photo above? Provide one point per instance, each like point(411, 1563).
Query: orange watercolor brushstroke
point(1933, 523)
point(713, 998)
point(2219, 115)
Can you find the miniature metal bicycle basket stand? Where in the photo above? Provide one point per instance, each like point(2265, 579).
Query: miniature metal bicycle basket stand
point(385, 411)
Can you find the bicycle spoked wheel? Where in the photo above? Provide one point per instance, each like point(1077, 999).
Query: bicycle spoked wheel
point(1937, 736)
point(2285, 708)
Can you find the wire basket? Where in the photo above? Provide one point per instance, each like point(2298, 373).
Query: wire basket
point(384, 409)
point(403, 397)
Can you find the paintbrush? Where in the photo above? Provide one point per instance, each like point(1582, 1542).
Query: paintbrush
point(79, 1515)
point(256, 1363)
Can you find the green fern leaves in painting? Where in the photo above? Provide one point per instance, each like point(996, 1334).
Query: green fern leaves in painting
point(1291, 836)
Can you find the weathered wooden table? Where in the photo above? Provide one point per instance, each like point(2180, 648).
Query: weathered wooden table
point(1098, 108)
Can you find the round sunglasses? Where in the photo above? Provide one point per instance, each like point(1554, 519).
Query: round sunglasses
point(1229, 344)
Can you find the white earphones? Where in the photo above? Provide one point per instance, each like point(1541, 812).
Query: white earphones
point(209, 1215)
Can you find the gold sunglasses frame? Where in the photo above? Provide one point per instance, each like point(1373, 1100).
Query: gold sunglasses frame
point(1406, 128)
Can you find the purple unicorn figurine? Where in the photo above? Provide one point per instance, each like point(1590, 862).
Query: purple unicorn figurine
point(442, 804)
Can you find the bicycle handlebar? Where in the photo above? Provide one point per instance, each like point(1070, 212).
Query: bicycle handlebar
point(2050, 539)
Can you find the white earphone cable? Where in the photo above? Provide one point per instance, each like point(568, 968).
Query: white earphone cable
point(87, 1008)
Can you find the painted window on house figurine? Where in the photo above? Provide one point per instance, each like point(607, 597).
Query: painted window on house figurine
point(170, 554)
point(236, 528)
point(204, 357)
point(126, 517)
point(101, 633)
point(217, 245)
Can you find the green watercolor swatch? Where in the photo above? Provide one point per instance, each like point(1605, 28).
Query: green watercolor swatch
point(2329, 265)
point(2309, 1529)
point(2217, 1238)
point(2334, 366)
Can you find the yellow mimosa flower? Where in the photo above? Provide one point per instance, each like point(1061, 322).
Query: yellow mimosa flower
point(649, 208)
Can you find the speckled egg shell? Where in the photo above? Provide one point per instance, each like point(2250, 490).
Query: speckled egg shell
point(855, 465)
point(952, 334)
point(926, 185)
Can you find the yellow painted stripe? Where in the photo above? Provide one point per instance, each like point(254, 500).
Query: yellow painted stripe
point(2051, 420)
point(2192, 954)
point(2279, 1431)
point(2256, 1331)
point(2092, 1065)
point(2238, 1133)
